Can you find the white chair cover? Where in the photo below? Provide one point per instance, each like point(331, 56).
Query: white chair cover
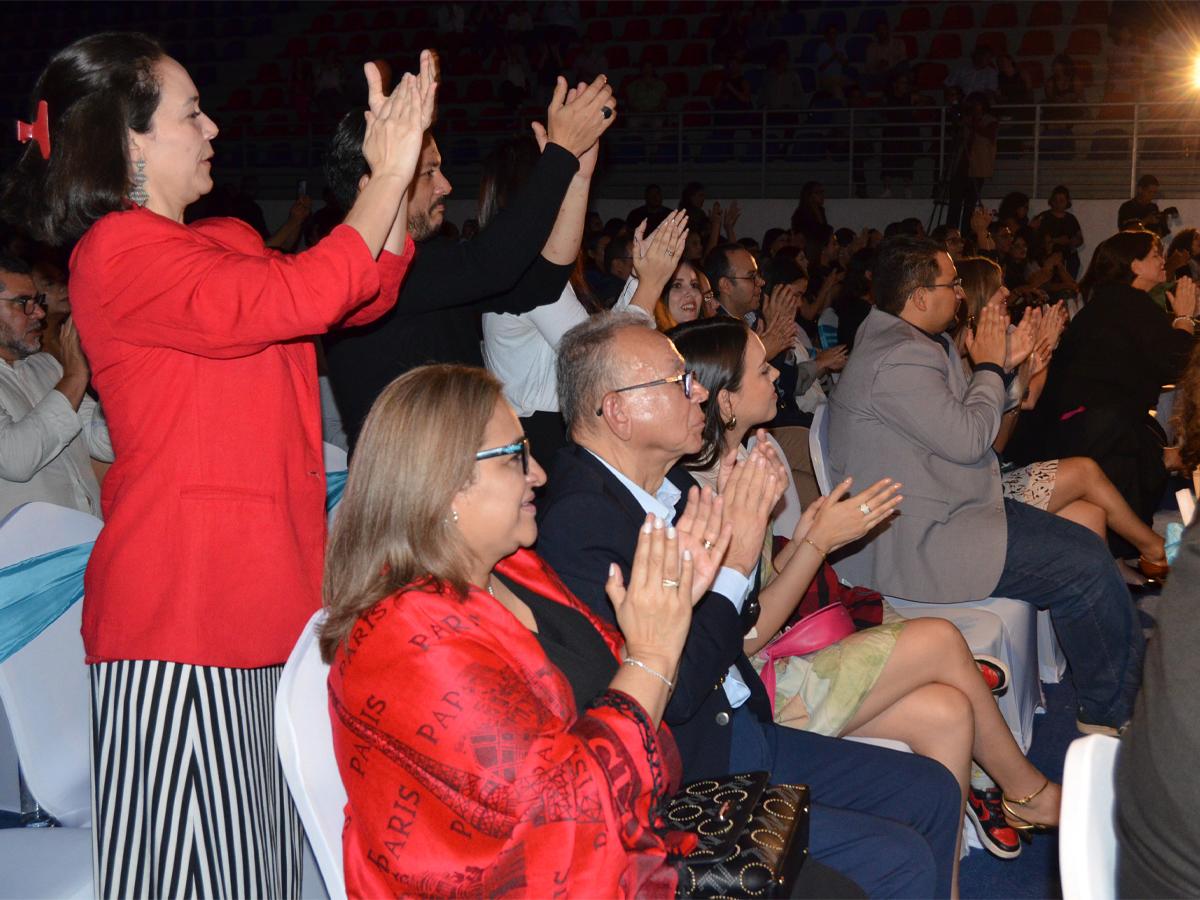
point(46, 864)
point(305, 738)
point(44, 685)
point(1087, 840)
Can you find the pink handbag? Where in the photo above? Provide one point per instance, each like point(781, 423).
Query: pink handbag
point(814, 632)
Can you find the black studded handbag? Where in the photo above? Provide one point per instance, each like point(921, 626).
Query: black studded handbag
point(753, 836)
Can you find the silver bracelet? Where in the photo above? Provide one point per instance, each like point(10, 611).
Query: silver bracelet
point(630, 661)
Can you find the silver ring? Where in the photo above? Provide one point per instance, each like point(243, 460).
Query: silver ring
point(670, 253)
point(864, 509)
point(670, 583)
point(708, 545)
point(606, 111)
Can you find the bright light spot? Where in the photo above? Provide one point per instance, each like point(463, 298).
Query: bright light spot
point(1196, 73)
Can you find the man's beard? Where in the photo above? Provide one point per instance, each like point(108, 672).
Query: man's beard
point(420, 225)
point(22, 347)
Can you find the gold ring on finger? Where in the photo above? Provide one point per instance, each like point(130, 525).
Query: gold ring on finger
point(670, 583)
point(708, 545)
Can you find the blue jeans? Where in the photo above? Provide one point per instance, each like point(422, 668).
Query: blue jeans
point(1062, 567)
point(888, 821)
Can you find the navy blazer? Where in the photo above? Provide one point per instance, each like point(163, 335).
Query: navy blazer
point(587, 519)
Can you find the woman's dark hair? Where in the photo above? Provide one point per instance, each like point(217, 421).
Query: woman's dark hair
point(1112, 259)
point(772, 235)
point(857, 283)
point(780, 270)
point(1064, 190)
point(96, 91)
point(1182, 241)
point(715, 349)
point(1011, 204)
point(505, 171)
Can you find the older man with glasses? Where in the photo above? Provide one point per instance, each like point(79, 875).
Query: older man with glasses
point(49, 428)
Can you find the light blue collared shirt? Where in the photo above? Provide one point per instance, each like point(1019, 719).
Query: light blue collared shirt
point(729, 583)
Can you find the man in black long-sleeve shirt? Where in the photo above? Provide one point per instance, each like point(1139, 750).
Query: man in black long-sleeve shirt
point(450, 284)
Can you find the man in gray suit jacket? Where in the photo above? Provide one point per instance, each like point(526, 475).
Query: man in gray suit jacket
point(906, 409)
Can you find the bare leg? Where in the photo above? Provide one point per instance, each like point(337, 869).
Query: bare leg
point(1080, 478)
point(933, 652)
point(1089, 515)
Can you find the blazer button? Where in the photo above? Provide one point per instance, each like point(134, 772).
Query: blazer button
point(722, 718)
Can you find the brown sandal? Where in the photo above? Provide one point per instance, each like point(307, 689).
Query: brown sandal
point(1154, 569)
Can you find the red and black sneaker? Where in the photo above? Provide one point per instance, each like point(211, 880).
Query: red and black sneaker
point(997, 836)
point(994, 672)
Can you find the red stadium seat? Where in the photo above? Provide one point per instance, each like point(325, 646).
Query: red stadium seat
point(1085, 42)
point(1083, 71)
point(1091, 12)
point(945, 46)
point(655, 54)
point(599, 31)
point(297, 47)
point(709, 82)
point(695, 54)
point(1045, 14)
point(910, 45)
point(1037, 43)
point(931, 76)
point(914, 18)
point(710, 26)
point(996, 40)
point(1034, 72)
point(1000, 15)
point(673, 30)
point(636, 30)
point(958, 17)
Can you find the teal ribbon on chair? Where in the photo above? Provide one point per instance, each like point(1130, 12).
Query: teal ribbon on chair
point(335, 486)
point(36, 591)
point(1174, 536)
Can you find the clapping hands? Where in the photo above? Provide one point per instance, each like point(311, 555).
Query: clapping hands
point(397, 122)
point(656, 257)
point(835, 520)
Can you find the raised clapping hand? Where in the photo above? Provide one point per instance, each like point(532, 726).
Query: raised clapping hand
point(654, 611)
point(751, 489)
point(779, 330)
point(1183, 298)
point(836, 520)
point(833, 359)
point(575, 118)
point(656, 257)
point(397, 122)
point(988, 343)
point(1023, 338)
point(705, 535)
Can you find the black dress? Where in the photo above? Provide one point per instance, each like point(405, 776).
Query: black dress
point(1104, 379)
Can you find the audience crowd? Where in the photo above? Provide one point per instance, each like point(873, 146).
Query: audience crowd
point(581, 513)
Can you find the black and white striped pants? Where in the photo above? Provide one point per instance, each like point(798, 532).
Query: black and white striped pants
point(188, 795)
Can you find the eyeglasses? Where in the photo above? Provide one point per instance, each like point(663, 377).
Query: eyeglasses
point(521, 446)
point(753, 276)
point(28, 304)
point(685, 379)
point(954, 285)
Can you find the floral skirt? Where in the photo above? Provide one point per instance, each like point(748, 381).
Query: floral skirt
point(1032, 484)
point(821, 692)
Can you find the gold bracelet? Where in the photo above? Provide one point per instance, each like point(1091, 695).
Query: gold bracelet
point(824, 553)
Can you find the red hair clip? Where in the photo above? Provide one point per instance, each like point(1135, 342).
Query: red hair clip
point(39, 131)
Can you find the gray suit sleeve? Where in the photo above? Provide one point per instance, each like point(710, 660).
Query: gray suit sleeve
point(911, 394)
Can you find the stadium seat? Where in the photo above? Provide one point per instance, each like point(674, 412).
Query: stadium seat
point(914, 18)
point(868, 19)
point(673, 29)
point(709, 27)
point(297, 47)
point(636, 30)
point(1083, 71)
point(910, 45)
point(599, 31)
point(931, 76)
point(1033, 71)
point(996, 40)
point(1036, 43)
point(1091, 12)
point(695, 54)
point(1085, 42)
point(945, 46)
point(834, 17)
point(1045, 14)
point(958, 17)
point(618, 56)
point(655, 54)
point(1000, 15)
point(709, 82)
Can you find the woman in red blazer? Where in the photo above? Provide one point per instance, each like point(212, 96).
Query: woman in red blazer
point(210, 559)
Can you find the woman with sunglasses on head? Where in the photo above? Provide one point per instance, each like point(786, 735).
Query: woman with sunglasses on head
point(1075, 487)
point(209, 562)
point(915, 680)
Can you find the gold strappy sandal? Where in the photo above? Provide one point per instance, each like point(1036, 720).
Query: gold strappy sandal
point(1025, 828)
